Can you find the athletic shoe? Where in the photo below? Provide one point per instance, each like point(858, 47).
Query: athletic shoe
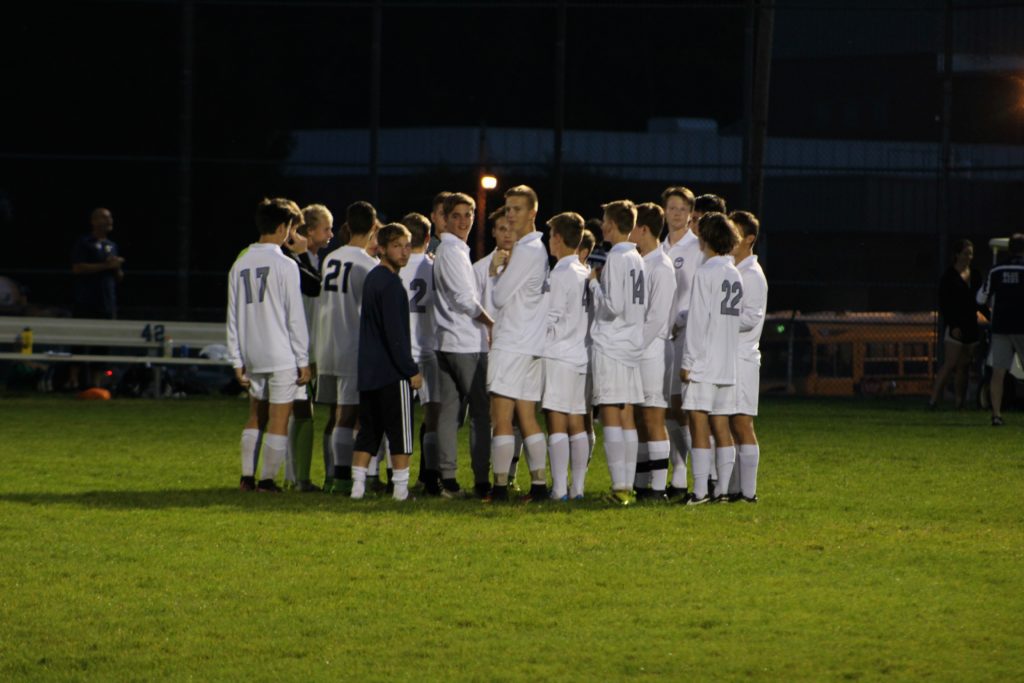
point(247, 484)
point(375, 485)
point(735, 497)
point(306, 487)
point(643, 494)
point(752, 499)
point(497, 494)
point(997, 421)
point(693, 500)
point(560, 499)
point(452, 494)
point(674, 494)
point(721, 498)
point(621, 498)
point(579, 497)
point(538, 494)
point(653, 497)
point(481, 489)
point(267, 486)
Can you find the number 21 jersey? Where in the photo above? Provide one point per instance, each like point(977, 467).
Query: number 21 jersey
point(341, 297)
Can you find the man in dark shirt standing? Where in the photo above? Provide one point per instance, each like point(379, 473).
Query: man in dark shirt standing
point(387, 371)
point(1003, 291)
point(96, 264)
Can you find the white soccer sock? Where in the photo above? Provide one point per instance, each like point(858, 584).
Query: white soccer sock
point(615, 454)
point(643, 472)
point(537, 457)
point(502, 448)
point(274, 447)
point(289, 457)
point(659, 464)
point(713, 472)
point(343, 439)
point(680, 438)
point(579, 455)
point(726, 457)
point(358, 482)
point(558, 447)
point(629, 436)
point(400, 478)
point(373, 469)
point(734, 479)
point(250, 451)
point(701, 462)
point(430, 456)
point(750, 456)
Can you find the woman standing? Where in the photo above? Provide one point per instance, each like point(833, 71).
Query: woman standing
point(959, 312)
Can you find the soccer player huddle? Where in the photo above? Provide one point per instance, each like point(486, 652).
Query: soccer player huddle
point(655, 337)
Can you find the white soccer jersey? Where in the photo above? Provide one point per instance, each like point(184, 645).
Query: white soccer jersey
point(266, 325)
point(456, 299)
point(568, 299)
point(713, 326)
point(661, 292)
point(341, 298)
point(685, 256)
point(418, 278)
point(485, 283)
point(620, 296)
point(752, 308)
point(520, 299)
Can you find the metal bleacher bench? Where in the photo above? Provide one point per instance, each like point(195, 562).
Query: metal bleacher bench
point(126, 341)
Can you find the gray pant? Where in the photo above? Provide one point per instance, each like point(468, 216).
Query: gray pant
point(464, 375)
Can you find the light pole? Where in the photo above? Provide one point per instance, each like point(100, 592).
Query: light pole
point(487, 182)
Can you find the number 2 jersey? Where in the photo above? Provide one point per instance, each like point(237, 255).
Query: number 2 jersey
point(418, 278)
point(266, 323)
point(341, 296)
point(713, 323)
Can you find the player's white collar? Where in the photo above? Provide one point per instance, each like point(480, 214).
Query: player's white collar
point(565, 261)
point(747, 262)
point(529, 237)
point(623, 246)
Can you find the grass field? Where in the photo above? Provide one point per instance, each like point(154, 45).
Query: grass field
point(888, 543)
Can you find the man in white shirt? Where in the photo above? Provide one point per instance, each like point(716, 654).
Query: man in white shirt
point(619, 295)
point(514, 368)
point(748, 366)
point(337, 338)
point(267, 339)
point(684, 253)
point(660, 277)
point(438, 220)
point(709, 355)
point(463, 329)
point(418, 277)
point(565, 357)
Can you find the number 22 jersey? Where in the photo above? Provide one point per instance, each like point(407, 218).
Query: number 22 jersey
point(713, 324)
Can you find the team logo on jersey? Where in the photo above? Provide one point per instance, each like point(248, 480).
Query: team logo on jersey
point(678, 262)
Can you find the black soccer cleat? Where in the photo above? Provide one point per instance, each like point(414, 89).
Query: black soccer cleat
point(677, 494)
point(247, 484)
point(538, 494)
point(997, 421)
point(267, 486)
point(481, 489)
point(497, 494)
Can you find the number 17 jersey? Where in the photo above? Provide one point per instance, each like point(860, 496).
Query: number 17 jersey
point(341, 298)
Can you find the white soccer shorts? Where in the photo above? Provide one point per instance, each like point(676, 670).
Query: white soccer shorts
point(515, 375)
point(339, 391)
point(615, 382)
point(713, 399)
point(565, 388)
point(748, 387)
point(276, 387)
point(430, 390)
point(655, 381)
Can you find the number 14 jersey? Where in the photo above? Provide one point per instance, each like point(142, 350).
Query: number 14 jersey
point(713, 324)
point(341, 297)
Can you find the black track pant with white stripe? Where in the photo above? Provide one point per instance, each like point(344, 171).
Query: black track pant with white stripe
point(386, 411)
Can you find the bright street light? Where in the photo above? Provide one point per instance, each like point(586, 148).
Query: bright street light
point(488, 182)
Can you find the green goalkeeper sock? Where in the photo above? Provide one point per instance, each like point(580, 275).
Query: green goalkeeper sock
point(302, 447)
